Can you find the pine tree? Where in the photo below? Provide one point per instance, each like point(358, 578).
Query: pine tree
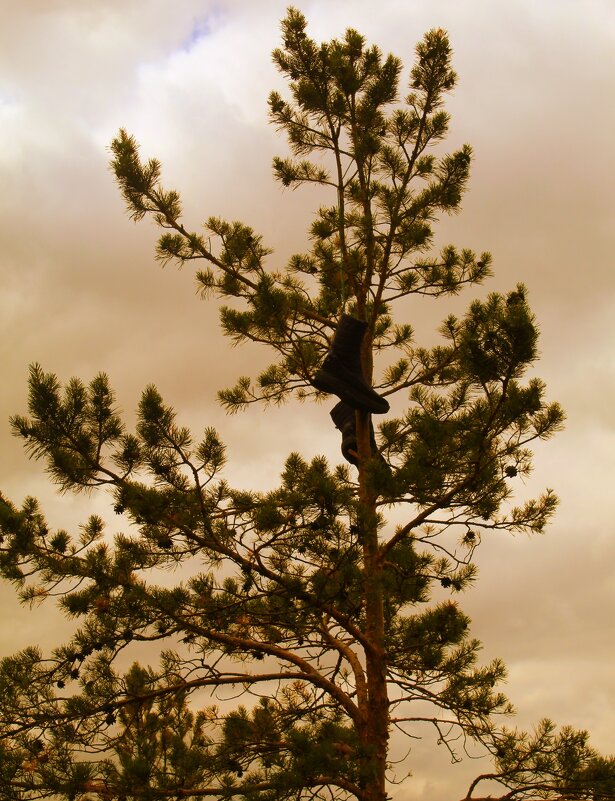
point(333, 623)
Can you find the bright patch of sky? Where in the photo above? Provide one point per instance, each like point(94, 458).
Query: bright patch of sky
point(11, 113)
point(204, 27)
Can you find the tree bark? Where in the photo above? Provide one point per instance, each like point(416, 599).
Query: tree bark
point(375, 736)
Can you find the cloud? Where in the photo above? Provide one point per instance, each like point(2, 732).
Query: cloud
point(80, 291)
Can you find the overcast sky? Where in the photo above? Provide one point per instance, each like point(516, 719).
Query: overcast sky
point(80, 291)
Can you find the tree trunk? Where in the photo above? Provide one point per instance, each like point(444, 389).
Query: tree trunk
point(376, 732)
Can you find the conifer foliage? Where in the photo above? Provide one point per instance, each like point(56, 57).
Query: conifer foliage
point(335, 626)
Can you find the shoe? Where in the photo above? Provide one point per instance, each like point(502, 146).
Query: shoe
point(344, 419)
point(341, 372)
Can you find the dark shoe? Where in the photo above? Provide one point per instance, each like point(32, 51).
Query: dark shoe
point(341, 373)
point(344, 418)
point(333, 377)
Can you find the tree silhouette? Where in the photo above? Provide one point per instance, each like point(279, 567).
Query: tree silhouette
point(336, 624)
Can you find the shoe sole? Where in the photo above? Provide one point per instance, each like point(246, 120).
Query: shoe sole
point(349, 391)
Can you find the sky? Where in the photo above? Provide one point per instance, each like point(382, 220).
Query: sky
point(80, 291)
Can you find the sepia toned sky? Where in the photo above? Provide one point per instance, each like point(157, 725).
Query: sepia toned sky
point(80, 291)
